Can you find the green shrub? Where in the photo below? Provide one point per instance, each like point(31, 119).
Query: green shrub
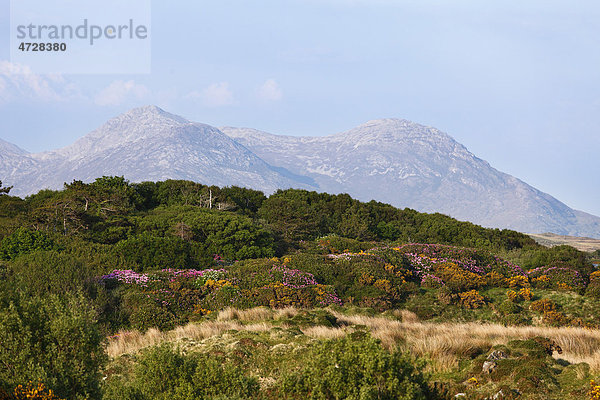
point(146, 252)
point(509, 307)
point(145, 313)
point(52, 340)
point(515, 319)
point(338, 244)
point(163, 373)
point(233, 237)
point(362, 369)
point(44, 272)
point(24, 241)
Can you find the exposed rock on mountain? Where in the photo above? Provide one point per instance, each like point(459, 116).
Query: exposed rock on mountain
point(389, 160)
point(411, 165)
point(146, 144)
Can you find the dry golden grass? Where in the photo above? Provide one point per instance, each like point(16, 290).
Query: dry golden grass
point(287, 312)
point(252, 314)
point(443, 343)
point(134, 341)
point(324, 332)
point(580, 243)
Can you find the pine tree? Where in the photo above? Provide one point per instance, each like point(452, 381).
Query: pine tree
point(4, 190)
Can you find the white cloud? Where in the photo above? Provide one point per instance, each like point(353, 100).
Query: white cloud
point(120, 91)
point(216, 95)
point(17, 81)
point(270, 91)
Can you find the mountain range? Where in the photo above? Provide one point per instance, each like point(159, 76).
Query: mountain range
point(390, 160)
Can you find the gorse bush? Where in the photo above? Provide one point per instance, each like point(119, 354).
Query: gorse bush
point(471, 299)
point(543, 305)
point(562, 278)
point(594, 392)
point(34, 392)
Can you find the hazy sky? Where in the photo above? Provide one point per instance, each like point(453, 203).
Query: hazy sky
point(516, 82)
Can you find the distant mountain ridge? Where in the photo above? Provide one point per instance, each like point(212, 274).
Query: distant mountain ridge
point(410, 165)
point(390, 160)
point(148, 143)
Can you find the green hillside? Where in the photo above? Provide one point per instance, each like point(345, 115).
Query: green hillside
point(179, 290)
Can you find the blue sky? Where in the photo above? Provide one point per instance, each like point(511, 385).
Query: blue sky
point(518, 83)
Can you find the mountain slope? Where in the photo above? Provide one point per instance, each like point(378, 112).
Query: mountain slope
point(389, 160)
point(411, 165)
point(15, 161)
point(150, 144)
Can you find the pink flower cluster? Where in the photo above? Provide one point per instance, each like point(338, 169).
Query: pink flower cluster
point(566, 275)
point(425, 277)
point(424, 256)
point(293, 278)
point(128, 276)
point(191, 273)
point(331, 298)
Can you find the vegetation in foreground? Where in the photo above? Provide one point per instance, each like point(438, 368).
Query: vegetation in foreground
point(118, 290)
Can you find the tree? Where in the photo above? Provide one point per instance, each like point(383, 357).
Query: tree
point(291, 217)
point(4, 190)
point(183, 231)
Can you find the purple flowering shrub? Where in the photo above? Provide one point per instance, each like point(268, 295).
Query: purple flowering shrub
point(172, 296)
point(433, 265)
point(562, 278)
point(271, 283)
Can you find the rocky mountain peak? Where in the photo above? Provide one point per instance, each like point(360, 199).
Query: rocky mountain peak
point(391, 160)
point(7, 148)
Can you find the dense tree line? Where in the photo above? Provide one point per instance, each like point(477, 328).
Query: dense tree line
point(299, 214)
point(111, 210)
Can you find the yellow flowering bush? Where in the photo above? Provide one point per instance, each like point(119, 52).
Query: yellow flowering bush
point(556, 318)
point(518, 281)
point(494, 279)
point(543, 305)
point(526, 293)
point(522, 294)
point(383, 284)
point(542, 282)
point(217, 284)
point(279, 295)
point(593, 289)
point(458, 278)
point(473, 382)
point(512, 295)
point(200, 311)
point(563, 286)
point(471, 299)
point(594, 392)
point(366, 279)
point(34, 392)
